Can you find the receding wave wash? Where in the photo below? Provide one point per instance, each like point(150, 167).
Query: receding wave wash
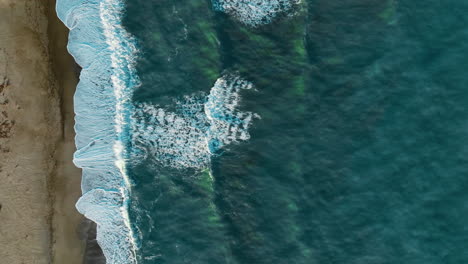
point(105, 52)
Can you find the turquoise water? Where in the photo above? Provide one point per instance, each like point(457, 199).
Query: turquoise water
point(318, 131)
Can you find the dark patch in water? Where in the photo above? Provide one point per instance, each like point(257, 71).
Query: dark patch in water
point(93, 253)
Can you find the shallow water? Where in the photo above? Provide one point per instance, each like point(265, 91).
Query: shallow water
point(340, 136)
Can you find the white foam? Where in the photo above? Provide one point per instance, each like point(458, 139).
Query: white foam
point(122, 64)
point(200, 126)
point(105, 51)
point(185, 138)
point(255, 12)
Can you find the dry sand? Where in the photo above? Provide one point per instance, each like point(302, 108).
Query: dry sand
point(39, 185)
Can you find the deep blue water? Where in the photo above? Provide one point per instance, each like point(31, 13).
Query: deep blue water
point(325, 132)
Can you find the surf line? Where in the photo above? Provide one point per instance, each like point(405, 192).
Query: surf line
point(110, 15)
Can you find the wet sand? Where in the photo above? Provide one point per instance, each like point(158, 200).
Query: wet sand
point(69, 244)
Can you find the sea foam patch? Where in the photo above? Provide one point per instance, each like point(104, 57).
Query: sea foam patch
point(106, 121)
point(199, 127)
point(105, 52)
point(254, 12)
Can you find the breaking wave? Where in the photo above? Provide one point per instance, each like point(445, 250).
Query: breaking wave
point(111, 130)
point(254, 12)
point(105, 52)
point(200, 126)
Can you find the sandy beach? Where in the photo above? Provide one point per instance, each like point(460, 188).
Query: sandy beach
point(39, 185)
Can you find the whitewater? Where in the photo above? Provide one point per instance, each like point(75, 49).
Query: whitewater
point(105, 52)
point(111, 131)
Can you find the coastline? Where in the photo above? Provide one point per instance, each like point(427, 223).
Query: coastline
point(39, 185)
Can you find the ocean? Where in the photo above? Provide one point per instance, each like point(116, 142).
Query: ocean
point(276, 132)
